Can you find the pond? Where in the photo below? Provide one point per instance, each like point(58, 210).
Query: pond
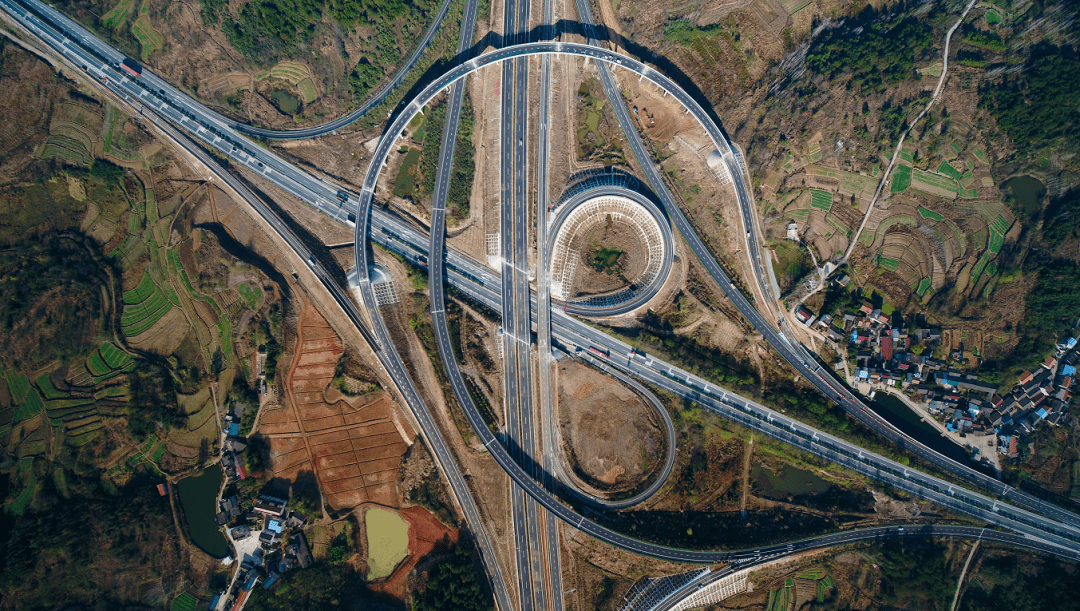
point(1028, 193)
point(789, 481)
point(285, 101)
point(896, 413)
point(198, 498)
point(387, 541)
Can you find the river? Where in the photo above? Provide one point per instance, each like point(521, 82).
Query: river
point(198, 498)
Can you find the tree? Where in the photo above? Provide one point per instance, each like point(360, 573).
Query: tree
point(454, 585)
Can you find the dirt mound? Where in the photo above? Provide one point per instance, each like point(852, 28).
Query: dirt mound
point(612, 436)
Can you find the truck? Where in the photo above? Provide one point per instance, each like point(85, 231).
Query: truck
point(131, 67)
point(595, 350)
point(343, 196)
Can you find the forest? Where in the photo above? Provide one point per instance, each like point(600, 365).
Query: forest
point(1038, 106)
point(875, 53)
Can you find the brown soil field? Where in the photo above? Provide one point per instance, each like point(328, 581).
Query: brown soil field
point(629, 267)
point(611, 434)
point(355, 450)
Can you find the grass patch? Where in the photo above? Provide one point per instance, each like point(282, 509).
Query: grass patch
point(119, 13)
point(901, 179)
point(405, 182)
point(18, 384)
point(947, 169)
point(923, 285)
point(114, 357)
point(926, 213)
point(184, 602)
point(887, 263)
point(251, 294)
point(307, 90)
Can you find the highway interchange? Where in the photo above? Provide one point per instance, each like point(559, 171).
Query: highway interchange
point(206, 126)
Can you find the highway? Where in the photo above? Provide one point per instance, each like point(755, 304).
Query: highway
point(207, 126)
point(250, 157)
point(641, 295)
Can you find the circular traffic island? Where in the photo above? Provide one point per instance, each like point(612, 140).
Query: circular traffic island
point(612, 258)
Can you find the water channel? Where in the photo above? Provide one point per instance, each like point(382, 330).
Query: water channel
point(896, 413)
point(198, 498)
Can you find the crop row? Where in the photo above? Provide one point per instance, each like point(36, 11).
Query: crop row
point(142, 292)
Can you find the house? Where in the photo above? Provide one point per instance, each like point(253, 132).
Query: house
point(866, 308)
point(270, 505)
point(843, 280)
point(240, 533)
point(1050, 363)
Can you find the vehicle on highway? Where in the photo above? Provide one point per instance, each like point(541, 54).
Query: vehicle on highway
point(131, 67)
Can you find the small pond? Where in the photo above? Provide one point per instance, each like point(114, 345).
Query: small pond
point(387, 541)
point(198, 498)
point(789, 481)
point(285, 101)
point(1028, 193)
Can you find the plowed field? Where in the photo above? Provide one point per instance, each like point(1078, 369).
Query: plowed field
point(354, 449)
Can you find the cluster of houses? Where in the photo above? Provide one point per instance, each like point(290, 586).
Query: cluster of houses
point(233, 444)
point(281, 545)
point(965, 403)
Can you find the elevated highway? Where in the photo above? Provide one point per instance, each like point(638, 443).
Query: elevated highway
point(1041, 532)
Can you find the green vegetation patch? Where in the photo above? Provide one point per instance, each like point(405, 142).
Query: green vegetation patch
point(46, 387)
point(976, 272)
point(926, 213)
point(307, 90)
point(901, 179)
point(923, 285)
point(251, 294)
point(907, 155)
point(992, 17)
point(947, 169)
point(821, 199)
point(887, 263)
point(142, 292)
point(96, 365)
point(405, 182)
point(933, 183)
point(881, 53)
point(18, 384)
point(1037, 106)
point(118, 14)
point(184, 602)
point(114, 357)
point(997, 242)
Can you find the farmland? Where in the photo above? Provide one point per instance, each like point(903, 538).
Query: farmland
point(141, 314)
point(901, 179)
point(295, 74)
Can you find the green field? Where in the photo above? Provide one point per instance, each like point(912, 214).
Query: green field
point(821, 200)
point(18, 384)
point(923, 285)
point(139, 317)
point(907, 155)
point(992, 17)
point(997, 241)
point(976, 272)
point(184, 602)
point(307, 90)
point(406, 178)
point(142, 292)
point(46, 387)
point(947, 169)
point(114, 357)
point(981, 156)
point(96, 365)
point(934, 183)
point(926, 213)
point(901, 179)
point(115, 17)
point(1000, 225)
point(887, 263)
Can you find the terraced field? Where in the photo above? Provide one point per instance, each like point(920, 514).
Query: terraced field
point(821, 200)
point(141, 311)
point(934, 184)
point(926, 213)
point(149, 38)
point(297, 75)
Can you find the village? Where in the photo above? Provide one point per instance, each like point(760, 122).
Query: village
point(892, 357)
